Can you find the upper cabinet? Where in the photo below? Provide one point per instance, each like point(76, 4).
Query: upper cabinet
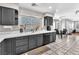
point(48, 20)
point(8, 16)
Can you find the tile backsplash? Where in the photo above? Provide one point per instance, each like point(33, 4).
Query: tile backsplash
point(29, 20)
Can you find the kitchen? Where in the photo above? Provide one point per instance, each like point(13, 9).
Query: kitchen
point(39, 28)
point(22, 29)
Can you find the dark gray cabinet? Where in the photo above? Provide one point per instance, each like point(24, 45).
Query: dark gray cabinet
point(18, 45)
point(54, 36)
point(7, 47)
point(3, 48)
point(8, 16)
point(48, 20)
point(10, 46)
point(46, 38)
point(32, 42)
point(0, 48)
point(39, 40)
point(0, 16)
point(21, 49)
point(35, 41)
point(21, 40)
point(49, 37)
point(21, 44)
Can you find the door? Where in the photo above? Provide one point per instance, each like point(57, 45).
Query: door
point(8, 16)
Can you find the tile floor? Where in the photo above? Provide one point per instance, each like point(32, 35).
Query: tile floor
point(66, 46)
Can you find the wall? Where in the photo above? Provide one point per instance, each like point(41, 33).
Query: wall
point(23, 12)
point(10, 5)
point(8, 28)
point(27, 12)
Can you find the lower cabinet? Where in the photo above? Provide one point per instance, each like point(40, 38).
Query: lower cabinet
point(35, 41)
point(49, 37)
point(21, 41)
point(0, 48)
point(39, 40)
point(54, 36)
point(18, 45)
point(21, 44)
point(7, 47)
point(21, 49)
point(46, 38)
point(32, 42)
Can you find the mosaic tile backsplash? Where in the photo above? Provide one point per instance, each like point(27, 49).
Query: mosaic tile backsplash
point(29, 20)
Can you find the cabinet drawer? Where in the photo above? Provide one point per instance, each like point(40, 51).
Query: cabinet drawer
point(0, 44)
point(0, 49)
point(21, 49)
point(22, 43)
point(21, 39)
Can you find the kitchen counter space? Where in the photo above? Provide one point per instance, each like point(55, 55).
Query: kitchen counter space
point(18, 34)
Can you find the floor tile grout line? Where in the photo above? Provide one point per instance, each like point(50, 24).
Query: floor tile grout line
point(61, 47)
point(70, 48)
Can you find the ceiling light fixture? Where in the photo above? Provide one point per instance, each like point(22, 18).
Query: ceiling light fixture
point(50, 7)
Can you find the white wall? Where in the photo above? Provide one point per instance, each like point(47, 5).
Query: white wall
point(27, 12)
point(10, 5)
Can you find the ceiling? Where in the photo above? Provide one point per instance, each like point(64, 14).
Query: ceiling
point(60, 9)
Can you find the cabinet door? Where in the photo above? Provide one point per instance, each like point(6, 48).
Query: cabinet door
point(45, 21)
point(21, 41)
point(0, 48)
point(32, 42)
point(0, 15)
point(3, 48)
point(8, 16)
point(54, 36)
point(21, 49)
point(46, 38)
point(50, 21)
point(21, 44)
point(51, 37)
point(10, 46)
point(39, 40)
point(7, 47)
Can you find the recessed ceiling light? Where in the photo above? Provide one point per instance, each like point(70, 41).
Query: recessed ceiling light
point(50, 7)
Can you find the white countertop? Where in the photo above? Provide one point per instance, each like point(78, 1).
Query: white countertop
point(18, 34)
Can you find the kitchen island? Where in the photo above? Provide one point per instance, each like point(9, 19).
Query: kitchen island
point(16, 43)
